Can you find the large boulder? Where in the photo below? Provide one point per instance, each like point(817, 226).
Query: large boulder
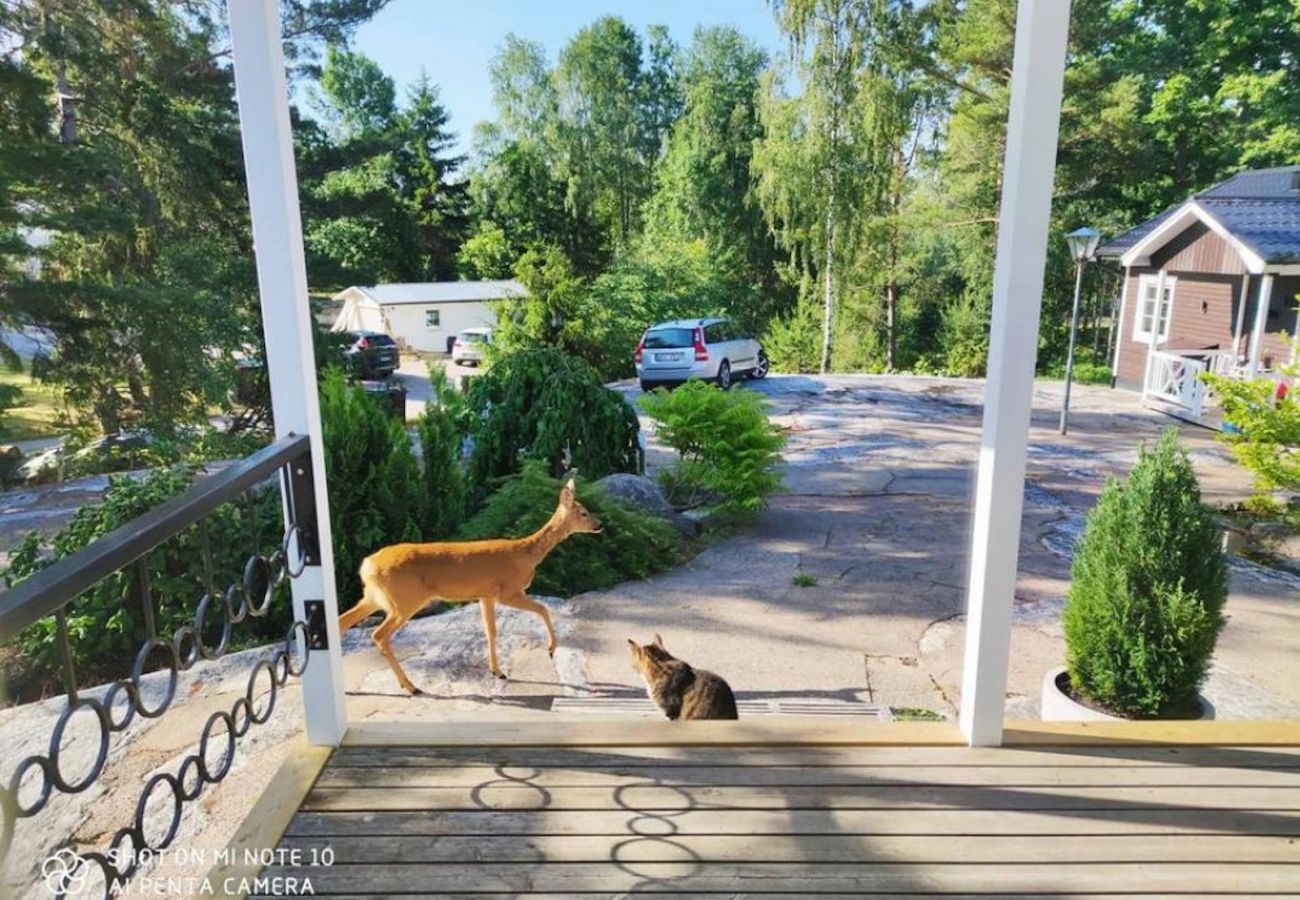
point(646, 495)
point(639, 491)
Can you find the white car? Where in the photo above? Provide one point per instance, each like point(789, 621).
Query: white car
point(470, 346)
point(711, 349)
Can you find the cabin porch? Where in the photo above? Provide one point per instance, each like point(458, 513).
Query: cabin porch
point(787, 809)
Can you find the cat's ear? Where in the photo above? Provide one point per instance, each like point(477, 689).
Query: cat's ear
point(633, 644)
point(659, 642)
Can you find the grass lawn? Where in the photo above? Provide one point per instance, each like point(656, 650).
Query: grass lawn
point(35, 415)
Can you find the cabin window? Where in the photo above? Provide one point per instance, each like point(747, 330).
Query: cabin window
point(1148, 309)
point(432, 318)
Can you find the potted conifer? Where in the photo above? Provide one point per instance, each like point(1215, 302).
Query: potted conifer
point(1145, 607)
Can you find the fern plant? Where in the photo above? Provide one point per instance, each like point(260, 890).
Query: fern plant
point(1147, 590)
point(726, 445)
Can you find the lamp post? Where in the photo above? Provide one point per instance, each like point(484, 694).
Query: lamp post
point(1083, 244)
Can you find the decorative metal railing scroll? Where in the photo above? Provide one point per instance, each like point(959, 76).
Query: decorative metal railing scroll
point(249, 595)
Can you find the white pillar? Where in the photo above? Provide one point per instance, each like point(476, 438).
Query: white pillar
point(1042, 27)
point(282, 282)
point(1119, 325)
point(1261, 322)
point(1239, 326)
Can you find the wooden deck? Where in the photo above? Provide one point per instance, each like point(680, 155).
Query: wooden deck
point(406, 821)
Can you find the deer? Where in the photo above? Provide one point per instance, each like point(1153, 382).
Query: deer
point(402, 579)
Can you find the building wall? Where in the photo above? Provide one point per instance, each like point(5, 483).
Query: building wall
point(406, 322)
point(1204, 317)
point(1198, 249)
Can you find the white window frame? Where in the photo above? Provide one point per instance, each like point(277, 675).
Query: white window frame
point(1166, 315)
point(437, 314)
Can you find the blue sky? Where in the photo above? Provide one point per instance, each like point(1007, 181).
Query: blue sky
point(454, 41)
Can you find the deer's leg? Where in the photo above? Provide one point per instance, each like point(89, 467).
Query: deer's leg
point(528, 604)
point(383, 637)
point(489, 610)
point(365, 606)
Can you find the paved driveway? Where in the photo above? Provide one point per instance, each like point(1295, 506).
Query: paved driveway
point(880, 474)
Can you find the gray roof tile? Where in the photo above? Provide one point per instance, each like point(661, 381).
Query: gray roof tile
point(1261, 208)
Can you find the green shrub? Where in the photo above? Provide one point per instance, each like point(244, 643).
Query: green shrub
point(726, 445)
point(1267, 436)
point(632, 545)
point(545, 405)
point(1147, 590)
point(442, 429)
point(106, 623)
point(793, 342)
point(376, 493)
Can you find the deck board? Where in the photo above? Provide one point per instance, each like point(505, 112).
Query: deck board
point(682, 821)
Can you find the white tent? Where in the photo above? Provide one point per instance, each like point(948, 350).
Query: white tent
point(361, 312)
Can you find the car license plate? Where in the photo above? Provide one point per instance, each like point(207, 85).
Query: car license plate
point(668, 357)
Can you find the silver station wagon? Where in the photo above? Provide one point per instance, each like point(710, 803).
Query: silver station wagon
point(710, 349)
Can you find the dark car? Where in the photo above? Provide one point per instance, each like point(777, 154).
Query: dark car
point(372, 354)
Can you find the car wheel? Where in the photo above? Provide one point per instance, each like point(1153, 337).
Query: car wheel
point(760, 370)
point(724, 375)
point(648, 386)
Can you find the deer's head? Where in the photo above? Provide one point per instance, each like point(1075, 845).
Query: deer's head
point(575, 518)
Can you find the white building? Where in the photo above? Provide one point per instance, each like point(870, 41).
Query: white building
point(425, 316)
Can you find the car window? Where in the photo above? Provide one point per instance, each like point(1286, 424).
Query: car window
point(714, 334)
point(381, 340)
point(667, 338)
point(472, 337)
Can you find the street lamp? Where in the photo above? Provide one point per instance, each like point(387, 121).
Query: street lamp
point(1083, 244)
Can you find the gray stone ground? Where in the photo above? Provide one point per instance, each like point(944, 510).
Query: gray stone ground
point(879, 472)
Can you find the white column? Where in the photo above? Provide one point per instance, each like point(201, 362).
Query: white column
point(1119, 325)
point(282, 282)
point(1240, 325)
point(1042, 27)
point(1261, 322)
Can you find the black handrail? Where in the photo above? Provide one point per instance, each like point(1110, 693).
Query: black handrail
point(51, 588)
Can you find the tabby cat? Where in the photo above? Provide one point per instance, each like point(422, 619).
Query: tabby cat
point(680, 691)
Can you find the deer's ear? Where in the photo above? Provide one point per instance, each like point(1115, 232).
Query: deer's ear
point(567, 494)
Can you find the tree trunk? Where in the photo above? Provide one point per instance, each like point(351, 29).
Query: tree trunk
point(829, 294)
point(891, 340)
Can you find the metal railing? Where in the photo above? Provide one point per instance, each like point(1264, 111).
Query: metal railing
point(51, 591)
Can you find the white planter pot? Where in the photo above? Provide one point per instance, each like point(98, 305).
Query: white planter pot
point(1057, 706)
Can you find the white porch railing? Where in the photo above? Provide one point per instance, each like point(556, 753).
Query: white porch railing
point(1174, 379)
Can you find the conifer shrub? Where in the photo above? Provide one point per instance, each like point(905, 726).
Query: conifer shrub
point(727, 447)
point(376, 492)
point(442, 429)
point(1147, 590)
point(545, 405)
point(632, 544)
